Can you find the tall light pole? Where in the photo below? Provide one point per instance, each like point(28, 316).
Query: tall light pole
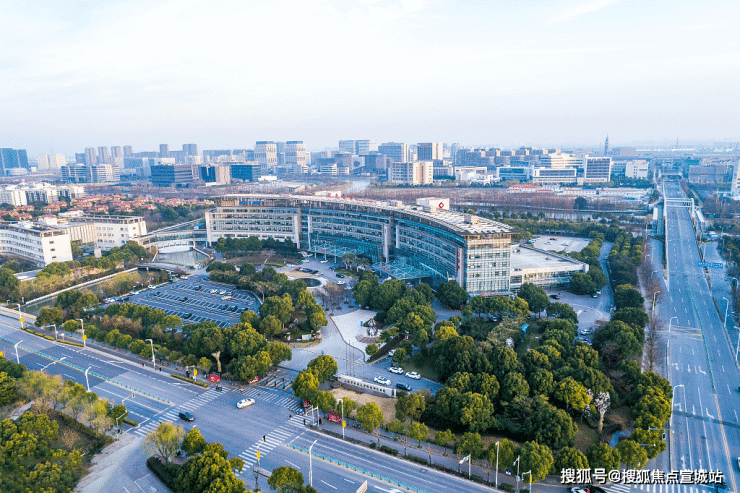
point(654, 295)
point(343, 425)
point(55, 361)
point(154, 364)
point(496, 465)
point(517, 473)
point(310, 463)
point(86, 380)
point(738, 343)
point(727, 306)
point(530, 479)
point(669, 323)
point(17, 359)
point(82, 328)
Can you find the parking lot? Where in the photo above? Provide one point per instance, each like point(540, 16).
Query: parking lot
point(197, 299)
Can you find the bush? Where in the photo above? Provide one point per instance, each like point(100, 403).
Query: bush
point(167, 473)
point(505, 487)
point(373, 445)
point(190, 380)
point(418, 460)
point(130, 422)
point(98, 440)
point(388, 450)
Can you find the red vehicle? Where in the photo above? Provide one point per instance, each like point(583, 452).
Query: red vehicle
point(306, 405)
point(334, 416)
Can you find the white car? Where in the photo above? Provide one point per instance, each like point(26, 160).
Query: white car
point(396, 369)
point(244, 403)
point(382, 380)
point(222, 292)
point(576, 489)
point(414, 375)
point(391, 352)
point(324, 261)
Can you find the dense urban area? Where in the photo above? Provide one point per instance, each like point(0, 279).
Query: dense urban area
point(373, 317)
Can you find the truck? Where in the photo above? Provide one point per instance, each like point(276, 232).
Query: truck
point(334, 416)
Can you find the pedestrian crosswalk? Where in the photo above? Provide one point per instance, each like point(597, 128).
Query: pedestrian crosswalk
point(171, 415)
point(260, 394)
point(659, 488)
point(275, 438)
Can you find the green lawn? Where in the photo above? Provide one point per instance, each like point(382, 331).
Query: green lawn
point(585, 437)
point(424, 366)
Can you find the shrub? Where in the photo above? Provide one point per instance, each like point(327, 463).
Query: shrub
point(167, 473)
point(505, 487)
point(190, 380)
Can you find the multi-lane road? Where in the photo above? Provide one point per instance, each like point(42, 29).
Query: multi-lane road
point(705, 427)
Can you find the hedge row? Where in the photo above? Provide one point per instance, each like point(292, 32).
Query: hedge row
point(49, 338)
point(167, 473)
point(130, 422)
point(98, 440)
point(186, 379)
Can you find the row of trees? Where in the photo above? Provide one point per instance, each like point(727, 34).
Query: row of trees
point(595, 279)
point(253, 244)
point(624, 258)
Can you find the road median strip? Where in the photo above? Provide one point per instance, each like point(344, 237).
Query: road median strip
point(189, 380)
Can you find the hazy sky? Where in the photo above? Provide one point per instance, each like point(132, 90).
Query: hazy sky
point(223, 74)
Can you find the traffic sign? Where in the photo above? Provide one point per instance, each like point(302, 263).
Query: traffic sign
point(195, 372)
point(84, 337)
point(702, 264)
point(718, 265)
point(344, 424)
point(258, 455)
point(20, 320)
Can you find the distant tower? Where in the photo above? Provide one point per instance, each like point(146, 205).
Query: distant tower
point(606, 145)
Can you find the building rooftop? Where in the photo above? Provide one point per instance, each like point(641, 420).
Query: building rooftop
point(525, 257)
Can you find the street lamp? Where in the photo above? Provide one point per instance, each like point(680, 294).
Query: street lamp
point(738, 343)
point(727, 306)
point(82, 328)
point(517, 473)
point(496, 465)
point(310, 463)
point(86, 379)
point(342, 401)
point(530, 479)
point(469, 459)
point(654, 295)
point(154, 364)
point(669, 323)
point(17, 359)
point(55, 361)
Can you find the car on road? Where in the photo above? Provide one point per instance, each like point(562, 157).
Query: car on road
point(340, 283)
point(187, 316)
point(244, 403)
point(403, 386)
point(577, 489)
point(382, 380)
point(184, 415)
point(222, 292)
point(233, 308)
point(340, 275)
point(213, 291)
point(595, 489)
point(391, 352)
point(555, 296)
point(324, 261)
point(414, 375)
point(738, 462)
point(152, 287)
point(594, 295)
point(396, 369)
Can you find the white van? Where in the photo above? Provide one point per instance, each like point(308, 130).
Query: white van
point(226, 298)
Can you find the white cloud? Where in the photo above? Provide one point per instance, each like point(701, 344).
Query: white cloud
point(581, 10)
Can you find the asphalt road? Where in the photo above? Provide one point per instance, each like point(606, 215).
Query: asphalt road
point(705, 428)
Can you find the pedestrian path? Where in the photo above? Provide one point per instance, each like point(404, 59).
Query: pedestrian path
point(171, 415)
point(659, 488)
point(275, 438)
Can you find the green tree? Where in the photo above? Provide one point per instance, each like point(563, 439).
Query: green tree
point(632, 454)
point(371, 350)
point(209, 471)
point(603, 456)
point(476, 412)
point(73, 326)
point(418, 431)
point(285, 479)
point(348, 406)
point(542, 383)
point(470, 444)
point(400, 356)
point(572, 394)
point(8, 284)
point(552, 426)
point(395, 426)
point(326, 401)
point(271, 326)
point(280, 307)
point(443, 438)
point(164, 440)
point(451, 294)
point(581, 283)
point(305, 386)
point(626, 296)
point(410, 406)
point(506, 453)
point(562, 311)
point(535, 297)
point(536, 458)
point(194, 443)
point(632, 316)
point(7, 389)
point(371, 418)
point(324, 367)
point(49, 315)
point(514, 385)
point(570, 458)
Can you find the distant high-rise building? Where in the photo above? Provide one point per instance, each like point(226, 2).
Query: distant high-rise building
point(190, 149)
point(397, 151)
point(265, 153)
point(295, 155)
point(164, 150)
point(51, 162)
point(375, 162)
point(75, 173)
point(127, 151)
point(347, 146)
point(735, 187)
point(217, 174)
point(116, 152)
point(415, 173)
point(80, 157)
point(91, 158)
point(167, 175)
point(248, 171)
point(430, 151)
point(597, 169)
point(103, 156)
point(365, 146)
point(606, 146)
point(104, 173)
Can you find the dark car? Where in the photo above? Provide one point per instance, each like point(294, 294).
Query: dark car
point(186, 416)
point(403, 386)
point(188, 315)
point(183, 299)
point(223, 307)
point(340, 275)
point(233, 308)
point(126, 298)
point(198, 288)
point(555, 296)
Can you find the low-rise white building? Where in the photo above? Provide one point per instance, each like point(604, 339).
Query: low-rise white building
point(636, 169)
point(110, 231)
point(541, 268)
point(35, 242)
point(13, 196)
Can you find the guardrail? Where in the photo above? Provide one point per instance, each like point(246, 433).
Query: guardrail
point(93, 373)
point(358, 469)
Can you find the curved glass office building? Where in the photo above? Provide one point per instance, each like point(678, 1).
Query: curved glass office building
point(422, 241)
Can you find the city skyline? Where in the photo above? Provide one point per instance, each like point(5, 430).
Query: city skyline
point(561, 74)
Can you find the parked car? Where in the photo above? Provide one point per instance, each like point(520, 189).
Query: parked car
point(391, 352)
point(244, 403)
point(555, 296)
point(184, 415)
point(334, 416)
point(188, 315)
point(382, 380)
point(324, 261)
point(403, 386)
point(414, 375)
point(198, 288)
point(340, 276)
point(396, 369)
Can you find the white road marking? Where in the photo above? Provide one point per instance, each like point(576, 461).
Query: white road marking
point(297, 467)
point(327, 484)
point(349, 480)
